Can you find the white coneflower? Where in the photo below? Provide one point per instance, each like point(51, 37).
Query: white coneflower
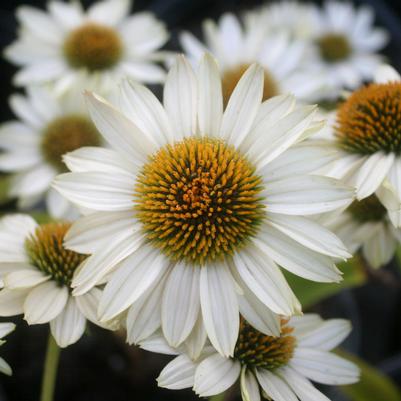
point(105, 42)
point(193, 207)
point(367, 129)
point(236, 46)
point(276, 368)
point(37, 271)
point(5, 329)
point(346, 44)
point(365, 226)
point(47, 127)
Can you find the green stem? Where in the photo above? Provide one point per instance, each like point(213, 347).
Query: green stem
point(218, 397)
point(50, 370)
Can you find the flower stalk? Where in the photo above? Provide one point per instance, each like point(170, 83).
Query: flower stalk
point(50, 370)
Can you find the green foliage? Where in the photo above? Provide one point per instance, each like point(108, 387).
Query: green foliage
point(373, 386)
point(310, 292)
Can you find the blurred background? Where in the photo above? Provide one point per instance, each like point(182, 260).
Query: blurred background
point(102, 367)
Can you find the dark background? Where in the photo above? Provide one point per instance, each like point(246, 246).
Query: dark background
point(101, 367)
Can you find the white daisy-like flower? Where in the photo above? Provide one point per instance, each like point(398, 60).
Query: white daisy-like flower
point(365, 226)
point(32, 146)
point(58, 45)
point(276, 368)
point(346, 44)
point(193, 208)
point(366, 127)
point(236, 46)
point(37, 270)
point(5, 329)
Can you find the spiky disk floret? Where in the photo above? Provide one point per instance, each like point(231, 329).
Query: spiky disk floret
point(93, 46)
point(46, 252)
point(232, 76)
point(198, 200)
point(369, 120)
point(65, 134)
point(368, 209)
point(258, 350)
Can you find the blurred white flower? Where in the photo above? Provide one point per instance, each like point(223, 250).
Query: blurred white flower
point(367, 130)
point(5, 329)
point(236, 46)
point(47, 127)
point(105, 42)
point(193, 206)
point(37, 271)
point(276, 368)
point(365, 226)
point(346, 44)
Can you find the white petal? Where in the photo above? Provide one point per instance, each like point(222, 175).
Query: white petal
point(306, 195)
point(180, 304)
point(380, 247)
point(215, 374)
point(249, 386)
point(45, 302)
point(109, 12)
point(210, 99)
point(324, 367)
point(24, 279)
point(120, 132)
point(180, 98)
point(130, 280)
point(386, 73)
point(296, 258)
point(372, 173)
point(310, 234)
point(97, 191)
point(40, 73)
point(68, 327)
point(58, 206)
point(219, 307)
point(5, 367)
point(274, 387)
point(327, 336)
point(93, 232)
point(6, 328)
point(95, 267)
point(178, 374)
point(195, 343)
point(12, 302)
point(69, 15)
point(243, 105)
point(144, 109)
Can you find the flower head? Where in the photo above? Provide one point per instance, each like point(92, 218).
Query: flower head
point(37, 272)
point(103, 42)
point(278, 368)
point(47, 127)
point(192, 208)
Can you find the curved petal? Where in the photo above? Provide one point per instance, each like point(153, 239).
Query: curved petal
point(178, 374)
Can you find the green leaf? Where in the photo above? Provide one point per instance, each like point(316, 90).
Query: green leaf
point(373, 386)
point(310, 292)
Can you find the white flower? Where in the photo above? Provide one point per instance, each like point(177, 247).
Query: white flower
point(276, 368)
point(56, 46)
point(192, 208)
point(366, 128)
point(284, 59)
point(37, 270)
point(47, 127)
point(345, 44)
point(5, 329)
point(365, 226)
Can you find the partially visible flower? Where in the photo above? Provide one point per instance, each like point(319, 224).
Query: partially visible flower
point(37, 271)
point(365, 226)
point(346, 44)
point(32, 146)
point(5, 329)
point(367, 129)
point(237, 45)
point(276, 368)
point(194, 207)
point(105, 42)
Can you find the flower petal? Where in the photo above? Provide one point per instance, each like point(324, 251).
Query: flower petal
point(178, 374)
